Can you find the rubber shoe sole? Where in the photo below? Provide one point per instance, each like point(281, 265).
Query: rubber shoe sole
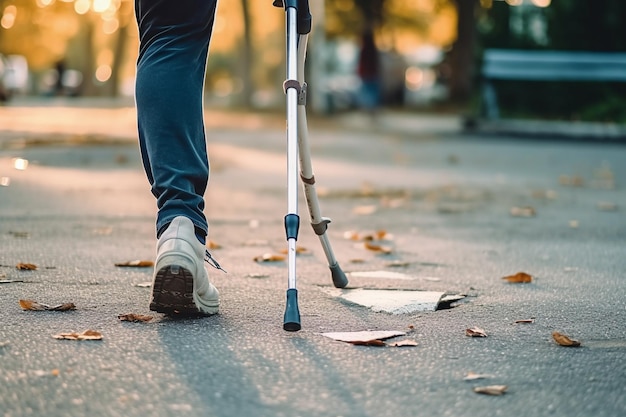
point(173, 294)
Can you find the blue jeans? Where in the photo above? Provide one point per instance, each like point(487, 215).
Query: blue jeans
point(174, 41)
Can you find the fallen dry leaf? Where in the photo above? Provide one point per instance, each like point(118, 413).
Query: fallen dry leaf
point(377, 248)
point(23, 235)
point(9, 281)
point(563, 340)
point(367, 338)
point(144, 285)
point(269, 257)
point(491, 389)
point(525, 321)
point(472, 376)
point(475, 332)
point(26, 266)
point(523, 211)
point(86, 335)
point(213, 245)
point(134, 317)
point(519, 278)
point(136, 264)
point(4, 344)
point(35, 306)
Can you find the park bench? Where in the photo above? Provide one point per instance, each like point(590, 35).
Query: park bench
point(532, 65)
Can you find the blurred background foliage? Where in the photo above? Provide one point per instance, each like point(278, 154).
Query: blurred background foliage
point(431, 51)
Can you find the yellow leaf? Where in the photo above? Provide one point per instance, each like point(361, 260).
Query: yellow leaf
point(563, 340)
point(26, 266)
point(31, 305)
point(519, 278)
point(86, 335)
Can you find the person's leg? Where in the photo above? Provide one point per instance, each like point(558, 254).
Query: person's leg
point(174, 40)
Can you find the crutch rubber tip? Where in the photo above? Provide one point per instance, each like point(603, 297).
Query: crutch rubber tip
point(339, 277)
point(291, 322)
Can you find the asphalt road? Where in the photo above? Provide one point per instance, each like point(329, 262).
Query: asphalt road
point(82, 205)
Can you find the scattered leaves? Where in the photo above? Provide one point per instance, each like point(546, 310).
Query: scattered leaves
point(269, 257)
point(134, 318)
point(136, 264)
point(475, 332)
point(26, 267)
point(491, 390)
point(86, 335)
point(35, 306)
point(519, 278)
point(527, 211)
point(571, 181)
point(564, 340)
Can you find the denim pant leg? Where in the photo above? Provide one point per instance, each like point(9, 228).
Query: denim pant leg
point(174, 40)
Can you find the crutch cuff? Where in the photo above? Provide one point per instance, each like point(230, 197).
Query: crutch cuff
point(292, 84)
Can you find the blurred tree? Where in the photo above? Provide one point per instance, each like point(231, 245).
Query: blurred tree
point(461, 56)
point(246, 67)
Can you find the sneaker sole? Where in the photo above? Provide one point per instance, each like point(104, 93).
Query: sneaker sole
point(172, 293)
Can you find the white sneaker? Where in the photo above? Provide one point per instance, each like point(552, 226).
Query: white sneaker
point(181, 282)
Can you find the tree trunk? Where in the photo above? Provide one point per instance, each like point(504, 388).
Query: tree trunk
point(124, 15)
point(246, 64)
point(462, 53)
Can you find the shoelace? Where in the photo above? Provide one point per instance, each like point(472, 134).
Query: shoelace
point(211, 261)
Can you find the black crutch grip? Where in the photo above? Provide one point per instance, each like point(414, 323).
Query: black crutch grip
point(303, 13)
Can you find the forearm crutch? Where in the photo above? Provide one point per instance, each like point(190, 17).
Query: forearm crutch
point(298, 26)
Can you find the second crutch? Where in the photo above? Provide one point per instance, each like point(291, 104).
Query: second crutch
point(298, 26)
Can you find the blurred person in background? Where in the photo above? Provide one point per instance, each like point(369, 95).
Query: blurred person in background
point(368, 69)
point(174, 41)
